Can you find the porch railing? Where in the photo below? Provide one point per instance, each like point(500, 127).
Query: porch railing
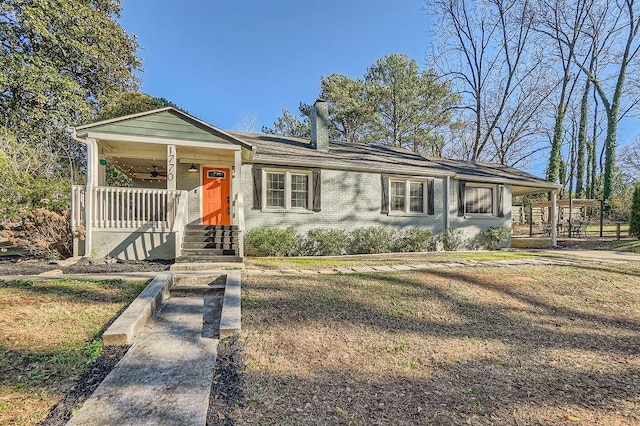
point(127, 208)
point(133, 207)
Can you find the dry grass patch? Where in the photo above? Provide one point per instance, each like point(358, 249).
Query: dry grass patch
point(49, 334)
point(509, 345)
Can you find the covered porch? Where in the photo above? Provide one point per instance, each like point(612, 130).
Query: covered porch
point(149, 176)
point(549, 236)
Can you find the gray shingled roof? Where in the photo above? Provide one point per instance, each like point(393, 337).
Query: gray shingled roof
point(284, 150)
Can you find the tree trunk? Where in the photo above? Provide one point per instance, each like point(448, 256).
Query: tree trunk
point(582, 140)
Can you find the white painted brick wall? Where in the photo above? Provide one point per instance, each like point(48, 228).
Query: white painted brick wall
point(190, 181)
point(349, 200)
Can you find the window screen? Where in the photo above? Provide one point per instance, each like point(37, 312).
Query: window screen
point(299, 191)
point(275, 190)
point(397, 195)
point(478, 200)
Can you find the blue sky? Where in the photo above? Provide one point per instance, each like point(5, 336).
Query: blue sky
point(225, 60)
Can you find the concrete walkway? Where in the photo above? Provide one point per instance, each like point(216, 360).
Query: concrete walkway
point(599, 255)
point(165, 377)
point(575, 257)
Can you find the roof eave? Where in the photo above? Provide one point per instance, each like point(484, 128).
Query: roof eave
point(83, 130)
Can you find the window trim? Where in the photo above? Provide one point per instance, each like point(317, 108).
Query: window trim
point(287, 190)
point(407, 196)
point(494, 201)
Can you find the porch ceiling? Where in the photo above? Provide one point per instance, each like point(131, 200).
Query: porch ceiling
point(141, 160)
point(518, 190)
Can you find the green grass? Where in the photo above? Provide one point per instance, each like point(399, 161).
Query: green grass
point(594, 228)
point(626, 246)
point(50, 332)
point(11, 251)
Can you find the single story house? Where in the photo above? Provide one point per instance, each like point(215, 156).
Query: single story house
point(196, 189)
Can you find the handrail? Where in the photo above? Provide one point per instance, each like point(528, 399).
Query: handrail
point(241, 225)
point(179, 221)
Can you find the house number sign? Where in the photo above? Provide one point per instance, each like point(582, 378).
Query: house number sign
point(213, 174)
point(171, 167)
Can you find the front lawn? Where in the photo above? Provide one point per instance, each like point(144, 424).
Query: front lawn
point(49, 334)
point(524, 345)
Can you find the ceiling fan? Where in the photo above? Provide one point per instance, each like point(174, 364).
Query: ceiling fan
point(153, 173)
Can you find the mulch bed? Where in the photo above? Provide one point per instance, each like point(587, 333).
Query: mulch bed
point(18, 265)
point(227, 387)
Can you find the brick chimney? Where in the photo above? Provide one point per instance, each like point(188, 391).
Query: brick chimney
point(320, 125)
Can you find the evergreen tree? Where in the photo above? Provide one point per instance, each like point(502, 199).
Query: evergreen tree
point(61, 62)
point(127, 103)
point(634, 219)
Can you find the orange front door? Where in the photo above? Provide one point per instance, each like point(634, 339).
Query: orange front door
point(215, 196)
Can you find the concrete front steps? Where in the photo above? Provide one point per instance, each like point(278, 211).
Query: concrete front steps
point(210, 243)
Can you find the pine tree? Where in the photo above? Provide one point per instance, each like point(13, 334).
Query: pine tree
point(634, 219)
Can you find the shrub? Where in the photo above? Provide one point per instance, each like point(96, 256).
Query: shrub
point(374, 239)
point(271, 242)
point(412, 239)
point(494, 237)
point(41, 232)
point(452, 239)
point(324, 242)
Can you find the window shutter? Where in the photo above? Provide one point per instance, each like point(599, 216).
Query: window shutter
point(317, 189)
point(500, 200)
point(257, 187)
point(432, 198)
point(385, 194)
point(461, 197)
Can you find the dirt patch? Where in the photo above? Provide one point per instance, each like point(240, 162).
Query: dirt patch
point(228, 383)
point(16, 265)
point(84, 386)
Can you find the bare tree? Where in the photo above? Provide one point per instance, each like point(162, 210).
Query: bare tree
point(248, 122)
point(630, 160)
point(613, 32)
point(561, 23)
point(487, 46)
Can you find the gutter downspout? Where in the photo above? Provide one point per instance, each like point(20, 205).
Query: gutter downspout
point(447, 204)
point(92, 150)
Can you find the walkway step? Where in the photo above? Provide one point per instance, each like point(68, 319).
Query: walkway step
point(218, 262)
point(222, 255)
point(196, 290)
point(165, 377)
point(199, 278)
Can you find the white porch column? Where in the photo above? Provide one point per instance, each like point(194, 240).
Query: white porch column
point(92, 179)
point(236, 192)
point(102, 171)
point(172, 171)
point(554, 220)
point(171, 167)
